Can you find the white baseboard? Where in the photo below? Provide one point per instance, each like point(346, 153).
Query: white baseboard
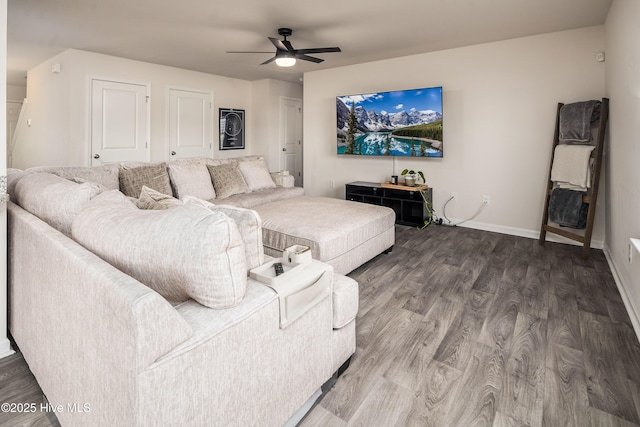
point(532, 234)
point(5, 348)
point(622, 288)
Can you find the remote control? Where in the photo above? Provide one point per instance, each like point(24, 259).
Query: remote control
point(278, 268)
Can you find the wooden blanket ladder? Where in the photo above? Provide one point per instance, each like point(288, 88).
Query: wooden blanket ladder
point(590, 198)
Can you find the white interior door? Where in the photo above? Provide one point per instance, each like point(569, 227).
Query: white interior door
point(119, 122)
point(291, 137)
point(190, 124)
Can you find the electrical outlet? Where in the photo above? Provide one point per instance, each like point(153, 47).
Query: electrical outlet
point(486, 200)
point(453, 195)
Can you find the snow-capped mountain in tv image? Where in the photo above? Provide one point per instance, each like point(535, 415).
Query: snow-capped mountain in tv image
point(375, 122)
point(370, 121)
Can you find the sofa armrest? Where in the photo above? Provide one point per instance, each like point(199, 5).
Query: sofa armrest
point(286, 181)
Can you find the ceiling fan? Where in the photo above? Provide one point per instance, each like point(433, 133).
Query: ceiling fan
point(286, 55)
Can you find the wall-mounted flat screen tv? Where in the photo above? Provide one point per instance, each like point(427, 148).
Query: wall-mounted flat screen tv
point(400, 123)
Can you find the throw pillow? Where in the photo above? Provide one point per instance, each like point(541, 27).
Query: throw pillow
point(152, 199)
point(153, 176)
point(227, 180)
point(256, 174)
point(181, 253)
point(249, 224)
point(190, 177)
point(53, 199)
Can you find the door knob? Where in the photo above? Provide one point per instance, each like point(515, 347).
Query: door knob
point(173, 153)
point(96, 156)
point(284, 149)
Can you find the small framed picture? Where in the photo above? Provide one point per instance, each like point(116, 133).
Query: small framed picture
point(231, 129)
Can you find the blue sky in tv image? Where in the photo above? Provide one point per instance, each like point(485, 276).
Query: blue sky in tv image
point(402, 100)
point(399, 123)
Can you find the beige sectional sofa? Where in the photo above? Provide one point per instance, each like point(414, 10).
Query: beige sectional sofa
point(130, 316)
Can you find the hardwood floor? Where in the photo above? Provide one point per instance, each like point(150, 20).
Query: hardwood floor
point(461, 327)
point(18, 386)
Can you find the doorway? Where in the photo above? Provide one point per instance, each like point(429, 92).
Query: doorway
point(291, 137)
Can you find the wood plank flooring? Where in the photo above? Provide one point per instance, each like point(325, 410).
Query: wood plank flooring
point(461, 327)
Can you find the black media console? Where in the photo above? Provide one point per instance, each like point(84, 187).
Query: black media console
point(405, 201)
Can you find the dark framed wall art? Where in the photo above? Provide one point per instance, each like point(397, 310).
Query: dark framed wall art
point(231, 129)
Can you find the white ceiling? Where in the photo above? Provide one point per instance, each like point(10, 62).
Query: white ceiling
point(195, 34)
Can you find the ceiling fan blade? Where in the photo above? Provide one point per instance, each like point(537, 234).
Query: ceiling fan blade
point(278, 44)
point(308, 58)
point(245, 51)
point(319, 50)
point(269, 60)
point(288, 45)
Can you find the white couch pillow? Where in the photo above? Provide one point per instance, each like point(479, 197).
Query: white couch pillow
point(55, 200)
point(190, 177)
point(184, 252)
point(256, 174)
point(249, 224)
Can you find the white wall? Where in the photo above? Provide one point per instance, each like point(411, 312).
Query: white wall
point(58, 106)
point(500, 102)
point(16, 93)
point(5, 348)
point(623, 170)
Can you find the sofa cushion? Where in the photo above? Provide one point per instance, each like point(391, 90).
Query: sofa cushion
point(152, 199)
point(261, 197)
point(153, 176)
point(105, 175)
point(184, 252)
point(53, 199)
point(190, 177)
point(227, 180)
point(256, 174)
point(249, 224)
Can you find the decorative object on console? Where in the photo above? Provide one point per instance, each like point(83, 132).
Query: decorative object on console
point(231, 129)
point(410, 178)
point(400, 123)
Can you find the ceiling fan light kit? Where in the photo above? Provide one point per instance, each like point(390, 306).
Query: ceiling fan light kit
point(285, 60)
point(286, 55)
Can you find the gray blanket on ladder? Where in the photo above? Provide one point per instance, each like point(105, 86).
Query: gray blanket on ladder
point(567, 209)
point(575, 121)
